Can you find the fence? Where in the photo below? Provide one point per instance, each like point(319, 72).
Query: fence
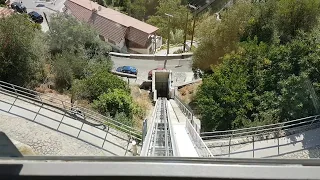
point(200, 146)
point(192, 128)
point(229, 141)
point(186, 111)
point(66, 111)
point(153, 56)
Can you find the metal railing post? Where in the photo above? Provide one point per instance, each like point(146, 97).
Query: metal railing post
point(229, 146)
point(37, 112)
point(61, 119)
point(15, 98)
point(105, 138)
point(278, 140)
point(253, 146)
point(80, 130)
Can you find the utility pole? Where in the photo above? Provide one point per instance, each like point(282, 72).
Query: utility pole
point(168, 41)
point(185, 33)
point(194, 23)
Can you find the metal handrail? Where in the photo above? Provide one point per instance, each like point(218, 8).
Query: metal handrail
point(41, 98)
point(185, 110)
point(260, 129)
point(60, 122)
point(200, 146)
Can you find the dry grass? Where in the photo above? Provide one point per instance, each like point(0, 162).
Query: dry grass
point(142, 99)
point(188, 92)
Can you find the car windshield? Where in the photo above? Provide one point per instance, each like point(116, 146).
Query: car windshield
point(127, 68)
point(236, 79)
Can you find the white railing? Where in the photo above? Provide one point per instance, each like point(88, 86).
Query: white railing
point(200, 146)
point(193, 129)
point(100, 124)
point(228, 140)
point(187, 112)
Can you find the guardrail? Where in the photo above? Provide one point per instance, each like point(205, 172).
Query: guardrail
point(193, 129)
point(153, 56)
point(67, 110)
point(235, 139)
point(186, 111)
point(261, 130)
point(200, 146)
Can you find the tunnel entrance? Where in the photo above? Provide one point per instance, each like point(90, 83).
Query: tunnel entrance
point(161, 81)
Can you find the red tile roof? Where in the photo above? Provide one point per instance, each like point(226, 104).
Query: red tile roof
point(111, 23)
point(4, 12)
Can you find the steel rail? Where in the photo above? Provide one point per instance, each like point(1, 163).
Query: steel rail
point(160, 140)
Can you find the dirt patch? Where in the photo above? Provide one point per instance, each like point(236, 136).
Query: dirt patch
point(142, 99)
point(187, 93)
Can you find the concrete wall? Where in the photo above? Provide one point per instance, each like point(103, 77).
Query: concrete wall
point(153, 56)
point(120, 44)
point(140, 50)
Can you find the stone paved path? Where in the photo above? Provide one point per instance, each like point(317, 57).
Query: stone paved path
point(45, 141)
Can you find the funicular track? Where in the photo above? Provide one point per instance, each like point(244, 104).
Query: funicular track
point(161, 143)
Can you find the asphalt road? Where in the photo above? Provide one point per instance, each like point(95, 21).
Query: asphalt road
point(181, 69)
point(41, 6)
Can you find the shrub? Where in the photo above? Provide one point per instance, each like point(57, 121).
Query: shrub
point(103, 82)
point(114, 102)
point(124, 119)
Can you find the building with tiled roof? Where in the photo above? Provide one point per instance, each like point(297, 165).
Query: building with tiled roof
point(123, 32)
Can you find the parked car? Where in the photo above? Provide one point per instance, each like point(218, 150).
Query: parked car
point(127, 69)
point(36, 17)
point(19, 7)
point(150, 72)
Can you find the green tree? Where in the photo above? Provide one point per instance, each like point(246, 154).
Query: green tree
point(96, 83)
point(138, 9)
point(160, 20)
point(261, 84)
point(220, 37)
point(22, 55)
point(68, 66)
point(68, 34)
point(293, 16)
point(114, 102)
point(262, 23)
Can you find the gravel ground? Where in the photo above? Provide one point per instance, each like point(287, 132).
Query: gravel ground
point(304, 154)
point(45, 141)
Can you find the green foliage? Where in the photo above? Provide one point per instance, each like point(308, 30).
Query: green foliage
point(136, 8)
point(160, 20)
point(268, 21)
point(77, 50)
point(177, 37)
point(262, 84)
point(115, 102)
point(68, 34)
point(97, 83)
point(124, 119)
point(68, 66)
point(22, 55)
point(292, 16)
point(220, 37)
